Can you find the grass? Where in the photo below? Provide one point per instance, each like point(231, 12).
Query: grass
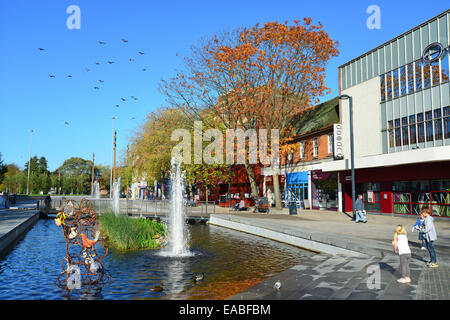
point(126, 233)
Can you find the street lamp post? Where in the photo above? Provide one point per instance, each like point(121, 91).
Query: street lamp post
point(29, 161)
point(352, 153)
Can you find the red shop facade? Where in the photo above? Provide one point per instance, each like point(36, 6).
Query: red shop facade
point(401, 189)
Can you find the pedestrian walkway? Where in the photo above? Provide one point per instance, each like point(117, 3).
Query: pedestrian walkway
point(13, 225)
point(371, 275)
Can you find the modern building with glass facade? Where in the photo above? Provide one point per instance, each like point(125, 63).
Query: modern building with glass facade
point(401, 117)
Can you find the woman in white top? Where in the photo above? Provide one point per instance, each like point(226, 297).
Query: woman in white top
point(402, 248)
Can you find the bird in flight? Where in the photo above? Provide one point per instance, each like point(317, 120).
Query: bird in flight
point(97, 63)
point(124, 40)
point(65, 122)
point(102, 42)
point(134, 97)
point(96, 88)
point(131, 59)
point(69, 76)
point(41, 49)
point(141, 53)
point(110, 62)
point(132, 118)
point(51, 76)
point(87, 69)
point(144, 69)
point(101, 81)
point(117, 105)
point(123, 99)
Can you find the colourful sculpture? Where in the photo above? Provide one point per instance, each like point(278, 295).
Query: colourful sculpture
point(81, 265)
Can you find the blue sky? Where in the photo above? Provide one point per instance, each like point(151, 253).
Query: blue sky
point(164, 31)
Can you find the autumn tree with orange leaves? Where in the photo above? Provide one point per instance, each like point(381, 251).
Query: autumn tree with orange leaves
point(255, 78)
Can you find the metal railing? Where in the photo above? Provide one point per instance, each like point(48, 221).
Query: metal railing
point(136, 207)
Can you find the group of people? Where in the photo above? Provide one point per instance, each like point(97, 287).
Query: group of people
point(427, 234)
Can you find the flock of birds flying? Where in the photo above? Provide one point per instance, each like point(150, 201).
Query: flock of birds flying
point(101, 81)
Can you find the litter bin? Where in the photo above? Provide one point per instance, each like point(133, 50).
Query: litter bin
point(292, 208)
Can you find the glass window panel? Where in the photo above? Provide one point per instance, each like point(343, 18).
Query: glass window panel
point(426, 75)
point(397, 131)
point(429, 125)
point(435, 72)
point(420, 128)
point(395, 84)
point(388, 85)
point(405, 131)
point(410, 78)
point(391, 134)
point(444, 67)
point(412, 129)
point(403, 80)
point(446, 122)
point(418, 74)
point(437, 124)
point(383, 87)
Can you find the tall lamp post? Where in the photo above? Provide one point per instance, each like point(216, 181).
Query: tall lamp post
point(352, 153)
point(29, 161)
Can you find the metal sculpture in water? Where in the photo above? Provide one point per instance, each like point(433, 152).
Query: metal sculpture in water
point(81, 265)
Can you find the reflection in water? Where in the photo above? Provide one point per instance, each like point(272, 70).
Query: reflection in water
point(231, 261)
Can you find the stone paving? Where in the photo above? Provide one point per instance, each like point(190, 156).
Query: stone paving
point(367, 277)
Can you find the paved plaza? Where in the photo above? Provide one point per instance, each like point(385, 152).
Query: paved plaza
point(372, 275)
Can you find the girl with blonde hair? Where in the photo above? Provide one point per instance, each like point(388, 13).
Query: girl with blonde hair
point(401, 247)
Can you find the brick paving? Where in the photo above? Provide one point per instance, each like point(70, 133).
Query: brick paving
point(339, 277)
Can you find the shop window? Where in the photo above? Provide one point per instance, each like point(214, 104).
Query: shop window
point(391, 134)
point(403, 80)
point(444, 67)
point(426, 75)
point(395, 83)
point(420, 128)
point(397, 132)
point(383, 87)
point(410, 78)
point(412, 129)
point(418, 74)
point(388, 85)
point(429, 125)
point(405, 131)
point(437, 124)
point(446, 121)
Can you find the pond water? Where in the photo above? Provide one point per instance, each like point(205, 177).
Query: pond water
point(232, 261)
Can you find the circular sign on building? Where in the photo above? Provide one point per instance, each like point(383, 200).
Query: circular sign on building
point(433, 52)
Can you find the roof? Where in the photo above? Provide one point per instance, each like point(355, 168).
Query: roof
point(322, 116)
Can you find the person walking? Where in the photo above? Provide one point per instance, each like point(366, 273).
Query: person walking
point(401, 247)
point(359, 207)
point(429, 233)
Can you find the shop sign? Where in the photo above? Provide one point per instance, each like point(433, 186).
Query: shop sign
point(338, 141)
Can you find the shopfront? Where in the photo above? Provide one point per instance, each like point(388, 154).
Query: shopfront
point(324, 190)
point(297, 187)
point(401, 189)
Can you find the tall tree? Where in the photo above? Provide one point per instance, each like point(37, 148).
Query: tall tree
point(255, 78)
